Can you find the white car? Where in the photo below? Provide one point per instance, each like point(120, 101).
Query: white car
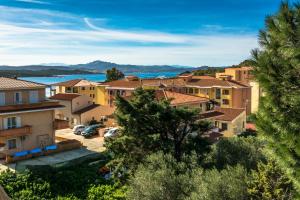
point(78, 129)
point(111, 133)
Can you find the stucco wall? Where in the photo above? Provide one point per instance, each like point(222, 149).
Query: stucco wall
point(255, 95)
point(9, 95)
point(81, 102)
point(241, 98)
point(235, 127)
point(42, 130)
point(88, 116)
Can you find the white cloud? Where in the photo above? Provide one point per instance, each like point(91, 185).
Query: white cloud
point(33, 1)
point(48, 36)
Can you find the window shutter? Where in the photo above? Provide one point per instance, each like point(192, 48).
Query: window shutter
point(5, 123)
point(2, 99)
point(33, 96)
point(18, 121)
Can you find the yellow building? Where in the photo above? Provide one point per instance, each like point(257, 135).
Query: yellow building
point(78, 86)
point(244, 75)
point(227, 121)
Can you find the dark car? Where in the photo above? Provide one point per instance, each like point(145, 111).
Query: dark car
point(91, 130)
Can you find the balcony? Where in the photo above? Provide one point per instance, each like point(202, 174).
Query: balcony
point(21, 131)
point(27, 107)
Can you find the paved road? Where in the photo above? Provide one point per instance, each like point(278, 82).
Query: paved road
point(94, 144)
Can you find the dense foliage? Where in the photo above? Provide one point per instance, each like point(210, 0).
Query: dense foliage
point(114, 74)
point(150, 125)
point(163, 177)
point(210, 71)
point(270, 182)
point(77, 182)
point(277, 68)
point(247, 152)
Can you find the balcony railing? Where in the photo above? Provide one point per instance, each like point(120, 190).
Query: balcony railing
point(21, 131)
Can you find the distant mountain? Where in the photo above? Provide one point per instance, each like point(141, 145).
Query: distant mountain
point(99, 66)
point(102, 66)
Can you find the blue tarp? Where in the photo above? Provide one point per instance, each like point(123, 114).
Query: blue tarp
point(36, 150)
point(51, 147)
point(21, 153)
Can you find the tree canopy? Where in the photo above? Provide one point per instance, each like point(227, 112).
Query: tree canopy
point(114, 74)
point(277, 69)
point(150, 125)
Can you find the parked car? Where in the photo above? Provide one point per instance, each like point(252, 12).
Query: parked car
point(91, 130)
point(113, 132)
point(78, 129)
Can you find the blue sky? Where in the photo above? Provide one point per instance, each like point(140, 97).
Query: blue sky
point(181, 32)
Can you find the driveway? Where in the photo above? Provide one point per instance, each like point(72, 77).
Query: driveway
point(94, 143)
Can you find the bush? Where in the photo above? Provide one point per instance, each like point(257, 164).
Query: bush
point(229, 184)
point(237, 150)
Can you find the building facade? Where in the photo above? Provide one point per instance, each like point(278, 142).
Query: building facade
point(26, 116)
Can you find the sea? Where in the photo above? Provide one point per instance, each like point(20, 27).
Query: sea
point(92, 77)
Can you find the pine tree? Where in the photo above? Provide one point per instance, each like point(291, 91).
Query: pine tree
point(277, 68)
point(114, 74)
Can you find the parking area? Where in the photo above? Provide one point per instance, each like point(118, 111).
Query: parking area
point(94, 143)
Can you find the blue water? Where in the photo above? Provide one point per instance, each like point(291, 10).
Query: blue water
point(93, 77)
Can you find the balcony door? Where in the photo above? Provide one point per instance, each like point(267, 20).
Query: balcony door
point(34, 96)
point(18, 98)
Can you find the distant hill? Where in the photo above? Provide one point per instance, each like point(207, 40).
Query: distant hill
point(99, 66)
point(102, 66)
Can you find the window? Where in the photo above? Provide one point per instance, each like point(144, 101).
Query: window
point(12, 143)
point(82, 88)
point(224, 126)
point(93, 96)
point(225, 92)
point(18, 97)
point(196, 91)
point(218, 93)
point(225, 101)
point(2, 99)
point(12, 122)
point(111, 92)
point(33, 96)
point(191, 90)
point(122, 93)
point(243, 124)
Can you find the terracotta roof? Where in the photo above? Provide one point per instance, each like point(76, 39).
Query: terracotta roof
point(122, 83)
point(76, 82)
point(86, 109)
point(11, 83)
point(179, 98)
point(214, 83)
point(28, 107)
point(222, 114)
point(125, 83)
point(229, 113)
point(203, 77)
point(65, 96)
point(200, 81)
point(69, 83)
